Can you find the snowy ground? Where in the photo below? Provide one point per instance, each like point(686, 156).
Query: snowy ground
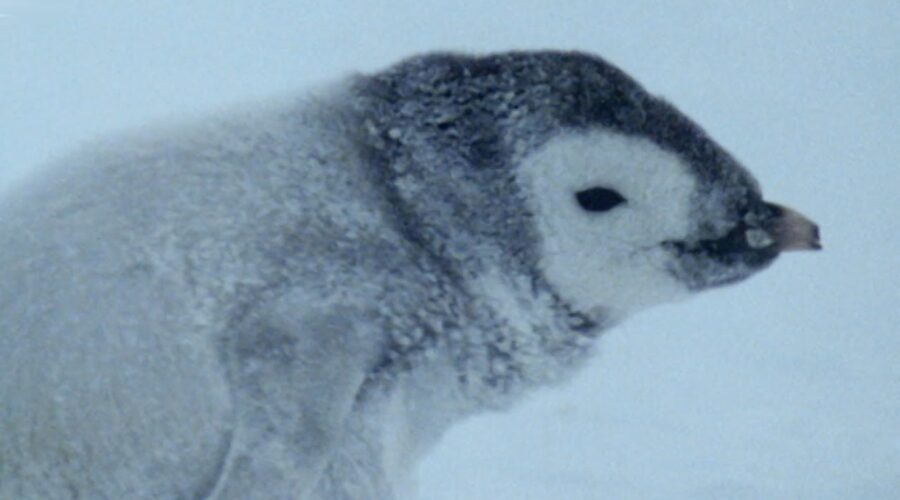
point(787, 386)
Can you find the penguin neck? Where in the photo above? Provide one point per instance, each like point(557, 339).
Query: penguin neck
point(514, 331)
point(468, 225)
point(522, 335)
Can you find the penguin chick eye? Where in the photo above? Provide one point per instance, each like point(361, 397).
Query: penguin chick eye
point(599, 199)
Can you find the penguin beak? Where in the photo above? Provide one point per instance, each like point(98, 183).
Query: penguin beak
point(792, 231)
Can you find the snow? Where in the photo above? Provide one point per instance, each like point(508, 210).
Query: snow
point(787, 386)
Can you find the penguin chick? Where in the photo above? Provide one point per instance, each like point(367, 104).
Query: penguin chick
point(297, 300)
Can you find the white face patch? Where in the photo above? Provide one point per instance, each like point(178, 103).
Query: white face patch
point(610, 259)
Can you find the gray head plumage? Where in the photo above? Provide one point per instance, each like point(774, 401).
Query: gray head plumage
point(446, 128)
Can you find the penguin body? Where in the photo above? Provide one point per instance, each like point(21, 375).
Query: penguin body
point(296, 301)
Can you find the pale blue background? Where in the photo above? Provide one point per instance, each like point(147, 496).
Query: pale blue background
point(787, 386)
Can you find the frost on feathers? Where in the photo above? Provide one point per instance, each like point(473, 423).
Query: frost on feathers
point(296, 301)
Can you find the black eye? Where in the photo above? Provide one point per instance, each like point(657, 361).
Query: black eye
point(598, 199)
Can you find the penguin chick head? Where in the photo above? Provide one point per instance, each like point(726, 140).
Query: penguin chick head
point(625, 223)
point(636, 205)
point(561, 165)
